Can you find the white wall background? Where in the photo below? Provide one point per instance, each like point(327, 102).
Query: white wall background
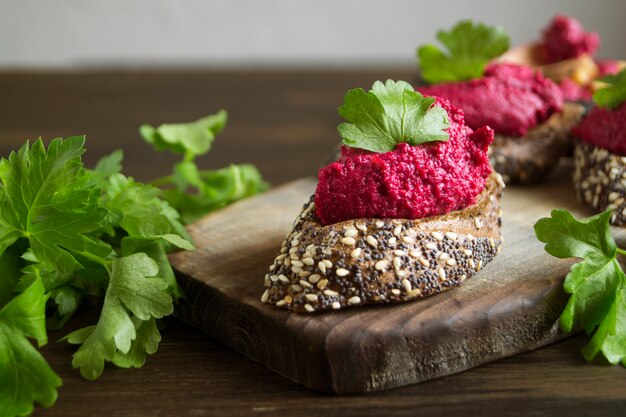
point(92, 33)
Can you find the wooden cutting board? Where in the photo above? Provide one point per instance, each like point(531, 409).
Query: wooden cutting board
point(510, 306)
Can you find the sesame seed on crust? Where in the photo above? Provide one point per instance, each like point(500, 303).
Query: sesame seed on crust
point(600, 180)
point(426, 257)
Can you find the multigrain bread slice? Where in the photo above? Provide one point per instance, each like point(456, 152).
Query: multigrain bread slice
point(530, 158)
point(367, 261)
point(600, 180)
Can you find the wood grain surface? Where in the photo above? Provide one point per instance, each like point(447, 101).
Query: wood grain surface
point(510, 306)
point(283, 121)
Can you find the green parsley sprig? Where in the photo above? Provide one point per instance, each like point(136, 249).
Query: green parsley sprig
point(190, 190)
point(469, 47)
point(613, 91)
point(389, 114)
point(597, 283)
point(68, 233)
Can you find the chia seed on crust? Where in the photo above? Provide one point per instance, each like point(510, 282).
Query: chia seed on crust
point(368, 261)
point(600, 180)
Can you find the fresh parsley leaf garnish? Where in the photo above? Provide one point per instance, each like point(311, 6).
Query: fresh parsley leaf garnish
point(469, 47)
point(25, 376)
point(613, 91)
point(389, 114)
point(597, 283)
point(191, 191)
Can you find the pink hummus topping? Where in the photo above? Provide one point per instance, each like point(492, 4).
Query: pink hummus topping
point(573, 92)
point(565, 38)
point(509, 98)
point(605, 128)
point(409, 182)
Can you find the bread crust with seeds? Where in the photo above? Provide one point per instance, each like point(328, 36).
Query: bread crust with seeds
point(528, 159)
point(600, 180)
point(368, 261)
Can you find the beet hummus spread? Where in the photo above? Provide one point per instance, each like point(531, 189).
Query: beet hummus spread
point(572, 91)
point(409, 182)
point(605, 129)
point(565, 38)
point(510, 98)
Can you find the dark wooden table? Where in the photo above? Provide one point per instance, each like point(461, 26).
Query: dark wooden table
point(284, 122)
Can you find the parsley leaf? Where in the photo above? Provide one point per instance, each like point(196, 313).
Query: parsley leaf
point(146, 343)
point(154, 247)
point(610, 338)
point(191, 139)
point(67, 299)
point(613, 91)
point(106, 166)
point(134, 288)
point(597, 283)
point(140, 211)
point(191, 191)
point(389, 114)
point(10, 265)
point(470, 46)
point(25, 377)
point(44, 198)
point(198, 192)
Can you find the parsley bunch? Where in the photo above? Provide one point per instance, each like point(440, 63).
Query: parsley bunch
point(597, 283)
point(68, 233)
point(470, 46)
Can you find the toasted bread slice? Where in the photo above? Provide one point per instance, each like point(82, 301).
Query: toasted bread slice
point(367, 261)
point(600, 180)
point(530, 158)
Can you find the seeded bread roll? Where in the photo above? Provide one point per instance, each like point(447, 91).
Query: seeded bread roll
point(367, 261)
point(600, 180)
point(530, 158)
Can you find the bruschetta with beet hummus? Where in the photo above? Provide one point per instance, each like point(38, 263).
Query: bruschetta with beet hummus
point(600, 152)
point(532, 123)
point(410, 209)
